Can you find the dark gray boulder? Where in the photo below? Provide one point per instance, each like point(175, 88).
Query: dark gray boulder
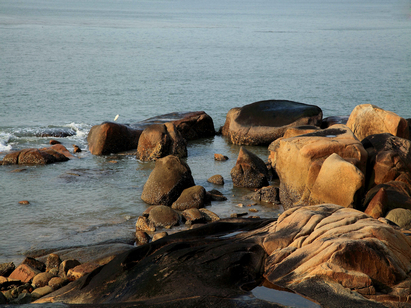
point(261, 123)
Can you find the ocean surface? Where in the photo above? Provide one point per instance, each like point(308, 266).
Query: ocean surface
point(68, 65)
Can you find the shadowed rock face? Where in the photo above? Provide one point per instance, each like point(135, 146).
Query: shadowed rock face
point(185, 271)
point(336, 256)
point(262, 122)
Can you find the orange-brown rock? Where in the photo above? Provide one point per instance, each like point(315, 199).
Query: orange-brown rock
point(160, 140)
point(298, 162)
point(378, 205)
point(59, 148)
point(249, 171)
point(220, 157)
point(397, 195)
point(81, 270)
point(337, 244)
point(299, 130)
point(389, 159)
point(35, 157)
point(110, 137)
point(261, 123)
point(24, 273)
point(143, 224)
point(367, 119)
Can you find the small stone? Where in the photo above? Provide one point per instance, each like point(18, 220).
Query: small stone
point(143, 224)
point(24, 202)
point(209, 215)
point(240, 205)
point(235, 215)
point(193, 216)
point(76, 149)
point(41, 279)
point(53, 141)
point(253, 210)
point(36, 264)
point(40, 292)
point(142, 238)
point(53, 261)
point(57, 282)
point(6, 269)
point(113, 162)
point(24, 273)
point(159, 235)
point(220, 157)
point(81, 270)
point(65, 266)
point(215, 195)
point(17, 170)
point(216, 179)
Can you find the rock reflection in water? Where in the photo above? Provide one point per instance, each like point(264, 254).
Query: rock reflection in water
point(276, 294)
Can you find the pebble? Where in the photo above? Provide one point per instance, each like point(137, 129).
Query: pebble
point(24, 202)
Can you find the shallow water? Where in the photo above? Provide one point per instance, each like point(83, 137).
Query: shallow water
point(68, 65)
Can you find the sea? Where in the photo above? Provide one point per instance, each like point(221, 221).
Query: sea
point(66, 66)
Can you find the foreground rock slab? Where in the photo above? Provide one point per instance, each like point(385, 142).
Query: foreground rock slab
point(339, 246)
point(261, 123)
point(54, 154)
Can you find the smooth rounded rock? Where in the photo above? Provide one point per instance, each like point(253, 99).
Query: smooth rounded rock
point(163, 216)
point(192, 197)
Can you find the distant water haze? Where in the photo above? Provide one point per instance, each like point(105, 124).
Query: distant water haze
point(69, 65)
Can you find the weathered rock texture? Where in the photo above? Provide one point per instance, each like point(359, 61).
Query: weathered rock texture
point(338, 245)
point(299, 160)
point(260, 123)
point(249, 170)
point(167, 181)
point(160, 140)
point(367, 119)
point(389, 159)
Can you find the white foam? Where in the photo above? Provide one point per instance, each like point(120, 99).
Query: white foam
point(81, 129)
point(4, 139)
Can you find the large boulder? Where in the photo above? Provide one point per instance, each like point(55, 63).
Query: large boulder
point(340, 246)
point(367, 119)
point(299, 160)
point(260, 123)
point(110, 137)
point(43, 156)
point(167, 181)
point(249, 170)
point(191, 125)
point(389, 159)
point(160, 140)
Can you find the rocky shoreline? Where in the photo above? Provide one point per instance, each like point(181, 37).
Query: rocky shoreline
point(342, 240)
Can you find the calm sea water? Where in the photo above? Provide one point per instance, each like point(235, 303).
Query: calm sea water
point(68, 65)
